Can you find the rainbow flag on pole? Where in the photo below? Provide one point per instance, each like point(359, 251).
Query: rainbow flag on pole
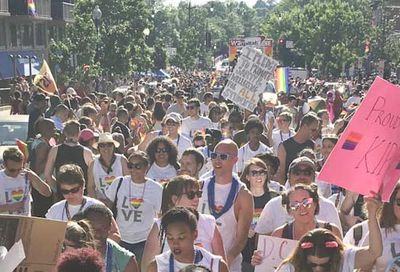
point(282, 79)
point(31, 8)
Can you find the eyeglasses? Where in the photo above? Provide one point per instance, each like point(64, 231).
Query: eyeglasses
point(323, 265)
point(306, 203)
point(302, 171)
point(70, 191)
point(220, 156)
point(161, 150)
point(102, 145)
point(191, 107)
point(255, 173)
point(191, 195)
point(137, 166)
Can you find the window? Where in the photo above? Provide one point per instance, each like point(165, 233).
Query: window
point(40, 34)
point(2, 33)
point(27, 35)
point(14, 35)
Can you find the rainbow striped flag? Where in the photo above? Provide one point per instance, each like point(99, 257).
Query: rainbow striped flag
point(23, 147)
point(31, 8)
point(282, 79)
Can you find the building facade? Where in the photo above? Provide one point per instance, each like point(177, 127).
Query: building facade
point(26, 29)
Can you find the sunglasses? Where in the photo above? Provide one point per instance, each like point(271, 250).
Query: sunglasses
point(191, 107)
point(102, 145)
point(255, 173)
point(161, 150)
point(71, 191)
point(220, 156)
point(304, 171)
point(191, 195)
point(324, 265)
point(137, 166)
point(306, 203)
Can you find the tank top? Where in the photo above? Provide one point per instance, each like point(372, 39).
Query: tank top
point(70, 154)
point(205, 227)
point(102, 179)
point(227, 223)
point(207, 260)
point(293, 148)
point(287, 231)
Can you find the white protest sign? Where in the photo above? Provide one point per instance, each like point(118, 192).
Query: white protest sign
point(274, 251)
point(249, 78)
point(13, 258)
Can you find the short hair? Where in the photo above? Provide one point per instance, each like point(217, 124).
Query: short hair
point(13, 154)
point(84, 120)
point(253, 123)
point(208, 95)
point(70, 174)
point(199, 157)
point(309, 119)
point(179, 215)
point(98, 209)
point(141, 155)
point(80, 233)
point(270, 160)
point(287, 115)
point(194, 101)
point(121, 112)
point(61, 108)
point(83, 259)
point(329, 137)
point(88, 109)
point(43, 124)
point(71, 128)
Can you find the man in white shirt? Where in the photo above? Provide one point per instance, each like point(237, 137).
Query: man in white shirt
point(253, 129)
point(194, 121)
point(274, 214)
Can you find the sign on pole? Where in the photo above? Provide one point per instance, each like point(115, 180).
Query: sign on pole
point(249, 78)
point(259, 42)
point(274, 251)
point(367, 155)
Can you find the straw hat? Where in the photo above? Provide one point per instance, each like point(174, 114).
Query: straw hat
point(106, 138)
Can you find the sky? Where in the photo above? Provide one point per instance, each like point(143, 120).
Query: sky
point(250, 3)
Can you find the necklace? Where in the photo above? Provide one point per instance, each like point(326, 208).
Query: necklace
point(280, 132)
point(137, 202)
point(196, 259)
point(67, 209)
point(229, 201)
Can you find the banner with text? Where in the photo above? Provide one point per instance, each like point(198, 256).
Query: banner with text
point(274, 251)
point(249, 78)
point(367, 155)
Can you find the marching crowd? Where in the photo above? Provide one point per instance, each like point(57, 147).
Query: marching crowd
point(165, 177)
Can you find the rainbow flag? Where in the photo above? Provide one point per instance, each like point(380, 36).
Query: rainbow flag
point(23, 147)
point(31, 8)
point(282, 79)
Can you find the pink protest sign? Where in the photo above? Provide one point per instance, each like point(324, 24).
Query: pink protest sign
point(367, 155)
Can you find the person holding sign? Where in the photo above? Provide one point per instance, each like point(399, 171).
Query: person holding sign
point(320, 250)
point(180, 227)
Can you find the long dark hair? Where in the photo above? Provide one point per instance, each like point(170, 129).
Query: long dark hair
point(317, 242)
point(387, 217)
point(172, 150)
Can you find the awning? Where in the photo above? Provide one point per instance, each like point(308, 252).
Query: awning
point(22, 64)
point(161, 73)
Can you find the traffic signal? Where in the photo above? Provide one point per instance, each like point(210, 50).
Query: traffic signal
point(281, 42)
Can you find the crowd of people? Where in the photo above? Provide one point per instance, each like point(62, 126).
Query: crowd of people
point(169, 176)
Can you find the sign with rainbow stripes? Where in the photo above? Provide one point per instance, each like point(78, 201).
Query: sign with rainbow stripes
point(367, 155)
point(282, 79)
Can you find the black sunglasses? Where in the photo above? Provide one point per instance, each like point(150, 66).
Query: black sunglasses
point(190, 107)
point(191, 195)
point(137, 166)
point(105, 145)
point(72, 191)
point(304, 171)
point(161, 150)
point(258, 173)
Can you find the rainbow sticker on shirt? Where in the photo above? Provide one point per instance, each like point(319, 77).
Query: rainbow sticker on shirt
point(109, 179)
point(136, 202)
point(218, 208)
point(17, 195)
point(352, 141)
point(256, 217)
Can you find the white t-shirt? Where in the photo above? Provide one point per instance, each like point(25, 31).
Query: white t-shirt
point(190, 125)
point(278, 137)
point(275, 215)
point(137, 206)
point(391, 247)
point(347, 264)
point(182, 143)
point(204, 110)
point(181, 109)
point(14, 190)
point(59, 210)
point(245, 154)
point(102, 179)
point(349, 237)
point(161, 174)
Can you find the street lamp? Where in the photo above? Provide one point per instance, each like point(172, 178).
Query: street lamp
point(30, 58)
point(96, 15)
point(14, 59)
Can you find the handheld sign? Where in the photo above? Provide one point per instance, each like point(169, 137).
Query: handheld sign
point(367, 155)
point(249, 78)
point(275, 250)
